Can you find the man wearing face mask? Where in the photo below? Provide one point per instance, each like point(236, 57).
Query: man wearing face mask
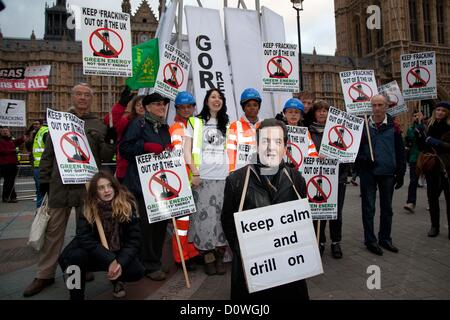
point(270, 182)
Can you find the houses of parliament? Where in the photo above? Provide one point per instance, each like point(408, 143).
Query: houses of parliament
point(407, 26)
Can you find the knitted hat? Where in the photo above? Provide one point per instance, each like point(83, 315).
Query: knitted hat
point(443, 104)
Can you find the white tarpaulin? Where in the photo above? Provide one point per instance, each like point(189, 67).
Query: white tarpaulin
point(208, 55)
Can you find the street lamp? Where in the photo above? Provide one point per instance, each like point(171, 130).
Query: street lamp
point(298, 6)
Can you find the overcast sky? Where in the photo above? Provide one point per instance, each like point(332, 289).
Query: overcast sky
point(317, 19)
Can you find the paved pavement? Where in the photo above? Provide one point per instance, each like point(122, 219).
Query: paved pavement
point(421, 270)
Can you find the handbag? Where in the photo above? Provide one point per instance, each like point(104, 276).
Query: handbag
point(37, 232)
point(425, 163)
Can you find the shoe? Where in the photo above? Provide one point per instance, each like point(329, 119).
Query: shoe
point(321, 248)
point(12, 201)
point(374, 248)
point(157, 275)
point(353, 182)
point(190, 265)
point(409, 207)
point(210, 264)
point(37, 286)
point(388, 246)
point(119, 289)
point(220, 267)
point(90, 276)
point(336, 251)
point(434, 232)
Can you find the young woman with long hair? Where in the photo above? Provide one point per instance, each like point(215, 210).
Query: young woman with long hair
point(205, 153)
point(116, 207)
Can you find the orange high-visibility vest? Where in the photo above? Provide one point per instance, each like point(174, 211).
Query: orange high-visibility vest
point(240, 132)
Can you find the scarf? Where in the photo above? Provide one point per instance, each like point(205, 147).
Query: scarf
point(316, 127)
point(111, 225)
point(155, 121)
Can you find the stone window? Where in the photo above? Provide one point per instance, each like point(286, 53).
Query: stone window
point(426, 20)
point(440, 9)
point(327, 83)
point(46, 101)
point(78, 75)
point(413, 30)
point(358, 36)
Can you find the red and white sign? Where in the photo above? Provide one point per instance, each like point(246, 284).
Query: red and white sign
point(419, 76)
point(165, 185)
point(173, 72)
point(342, 136)
point(106, 42)
point(76, 164)
point(358, 87)
point(394, 97)
point(32, 78)
point(280, 67)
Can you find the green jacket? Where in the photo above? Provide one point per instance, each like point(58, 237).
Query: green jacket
point(411, 145)
point(72, 195)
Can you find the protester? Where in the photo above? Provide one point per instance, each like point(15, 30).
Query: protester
point(320, 111)
point(185, 108)
point(307, 98)
point(204, 151)
point(116, 209)
point(8, 163)
point(148, 134)
point(63, 197)
point(243, 131)
point(270, 182)
point(121, 121)
point(412, 153)
point(385, 173)
point(435, 139)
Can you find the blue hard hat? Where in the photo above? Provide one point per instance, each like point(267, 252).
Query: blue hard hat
point(184, 97)
point(250, 94)
point(294, 103)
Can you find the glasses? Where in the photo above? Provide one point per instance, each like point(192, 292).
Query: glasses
point(83, 94)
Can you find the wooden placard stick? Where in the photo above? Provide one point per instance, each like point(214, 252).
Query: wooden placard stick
point(369, 138)
point(180, 251)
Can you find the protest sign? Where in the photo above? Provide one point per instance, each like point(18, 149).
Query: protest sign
point(32, 78)
point(12, 113)
point(165, 185)
point(106, 42)
point(396, 102)
point(358, 87)
point(145, 65)
point(76, 163)
point(419, 76)
point(280, 67)
point(297, 146)
point(173, 72)
point(278, 244)
point(322, 179)
point(342, 136)
point(245, 154)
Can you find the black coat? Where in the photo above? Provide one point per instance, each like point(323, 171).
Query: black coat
point(139, 132)
point(258, 195)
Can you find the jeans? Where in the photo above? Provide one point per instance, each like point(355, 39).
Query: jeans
point(39, 196)
point(368, 186)
point(436, 183)
point(413, 181)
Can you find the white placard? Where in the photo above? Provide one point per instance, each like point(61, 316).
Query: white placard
point(297, 146)
point(106, 42)
point(394, 97)
point(322, 180)
point(173, 72)
point(342, 136)
point(278, 244)
point(358, 88)
point(165, 185)
point(280, 67)
point(419, 76)
point(76, 163)
point(13, 113)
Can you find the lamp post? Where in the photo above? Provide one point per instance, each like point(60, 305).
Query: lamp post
point(298, 6)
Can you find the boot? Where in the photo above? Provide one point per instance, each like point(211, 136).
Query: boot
point(37, 286)
point(210, 266)
point(434, 232)
point(220, 267)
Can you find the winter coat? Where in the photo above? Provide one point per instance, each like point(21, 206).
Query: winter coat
point(8, 153)
point(139, 132)
point(258, 195)
point(316, 131)
point(72, 195)
point(411, 144)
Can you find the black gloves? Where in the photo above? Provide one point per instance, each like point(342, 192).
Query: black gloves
point(44, 188)
point(398, 181)
point(111, 135)
point(125, 96)
point(279, 116)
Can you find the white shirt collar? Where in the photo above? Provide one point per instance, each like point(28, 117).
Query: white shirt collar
point(385, 121)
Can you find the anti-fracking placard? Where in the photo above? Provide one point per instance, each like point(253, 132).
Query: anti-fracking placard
point(32, 78)
point(396, 102)
point(278, 244)
point(173, 72)
point(76, 163)
point(322, 178)
point(106, 42)
point(342, 136)
point(419, 76)
point(12, 113)
point(165, 185)
point(358, 88)
point(297, 146)
point(280, 67)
